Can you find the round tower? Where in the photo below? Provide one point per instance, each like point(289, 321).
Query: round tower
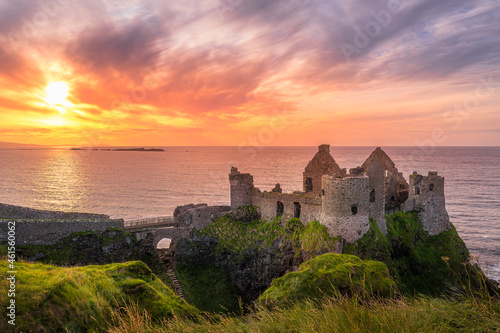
point(345, 206)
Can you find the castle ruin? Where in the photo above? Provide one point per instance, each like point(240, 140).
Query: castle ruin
point(344, 202)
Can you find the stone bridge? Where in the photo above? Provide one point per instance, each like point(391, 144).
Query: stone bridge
point(173, 228)
point(165, 227)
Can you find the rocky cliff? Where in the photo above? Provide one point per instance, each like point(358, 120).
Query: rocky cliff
point(255, 253)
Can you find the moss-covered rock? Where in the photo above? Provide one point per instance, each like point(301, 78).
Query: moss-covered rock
point(328, 275)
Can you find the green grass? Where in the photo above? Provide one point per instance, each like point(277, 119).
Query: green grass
point(328, 275)
point(341, 314)
point(87, 298)
point(236, 236)
point(209, 288)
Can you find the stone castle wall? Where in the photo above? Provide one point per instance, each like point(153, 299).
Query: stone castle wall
point(310, 206)
point(198, 216)
point(18, 212)
point(345, 206)
point(426, 196)
point(241, 188)
point(48, 232)
point(376, 175)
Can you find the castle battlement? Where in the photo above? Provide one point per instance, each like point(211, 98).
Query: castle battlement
point(343, 201)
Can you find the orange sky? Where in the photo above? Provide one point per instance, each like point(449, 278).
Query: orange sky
point(262, 72)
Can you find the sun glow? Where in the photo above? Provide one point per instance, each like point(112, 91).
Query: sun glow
point(56, 93)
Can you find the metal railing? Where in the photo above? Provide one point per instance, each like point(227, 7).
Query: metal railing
point(162, 221)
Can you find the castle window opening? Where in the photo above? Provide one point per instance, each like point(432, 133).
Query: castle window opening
point(309, 184)
point(386, 173)
point(431, 187)
point(372, 195)
point(354, 209)
point(323, 192)
point(296, 210)
point(279, 209)
point(416, 190)
point(393, 198)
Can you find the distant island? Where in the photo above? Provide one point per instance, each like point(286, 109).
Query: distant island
point(125, 149)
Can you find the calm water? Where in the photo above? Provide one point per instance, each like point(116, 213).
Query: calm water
point(133, 185)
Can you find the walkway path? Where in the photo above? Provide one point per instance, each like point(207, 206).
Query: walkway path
point(151, 223)
point(178, 288)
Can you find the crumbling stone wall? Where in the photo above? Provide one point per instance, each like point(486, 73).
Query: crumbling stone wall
point(376, 210)
point(198, 216)
point(309, 206)
point(321, 164)
point(393, 179)
point(345, 206)
point(18, 212)
point(427, 197)
point(403, 189)
point(47, 232)
point(241, 188)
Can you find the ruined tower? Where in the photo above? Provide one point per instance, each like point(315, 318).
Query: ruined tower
point(241, 188)
point(345, 206)
point(376, 206)
point(321, 164)
point(395, 186)
point(427, 197)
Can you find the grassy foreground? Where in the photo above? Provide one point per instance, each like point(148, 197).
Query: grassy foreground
point(340, 315)
point(87, 299)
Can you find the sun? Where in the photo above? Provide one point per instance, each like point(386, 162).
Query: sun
point(56, 93)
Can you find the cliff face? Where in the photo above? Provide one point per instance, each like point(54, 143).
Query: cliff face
point(255, 253)
point(252, 272)
point(93, 248)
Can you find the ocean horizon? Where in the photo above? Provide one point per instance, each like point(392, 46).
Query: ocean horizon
point(133, 185)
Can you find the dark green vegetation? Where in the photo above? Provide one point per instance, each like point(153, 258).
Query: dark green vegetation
point(330, 275)
point(421, 264)
point(83, 299)
point(209, 288)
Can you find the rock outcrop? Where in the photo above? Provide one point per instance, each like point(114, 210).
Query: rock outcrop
point(267, 251)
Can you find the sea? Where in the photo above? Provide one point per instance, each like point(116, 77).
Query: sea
point(133, 185)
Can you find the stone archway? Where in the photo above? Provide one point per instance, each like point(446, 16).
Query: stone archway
point(164, 244)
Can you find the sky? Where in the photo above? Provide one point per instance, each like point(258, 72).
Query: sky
point(250, 72)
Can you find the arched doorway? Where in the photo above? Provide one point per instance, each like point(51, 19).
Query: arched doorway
point(164, 244)
point(280, 209)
